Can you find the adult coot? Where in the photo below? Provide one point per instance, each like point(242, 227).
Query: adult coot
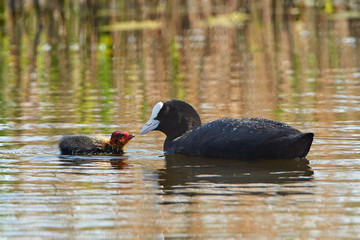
point(245, 138)
point(98, 144)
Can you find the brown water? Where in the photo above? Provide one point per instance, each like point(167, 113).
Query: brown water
point(84, 67)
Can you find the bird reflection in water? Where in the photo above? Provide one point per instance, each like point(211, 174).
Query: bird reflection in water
point(182, 172)
point(116, 162)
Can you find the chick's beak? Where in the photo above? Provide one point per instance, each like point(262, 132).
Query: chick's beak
point(127, 137)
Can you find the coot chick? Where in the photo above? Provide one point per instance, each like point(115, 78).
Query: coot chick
point(97, 144)
point(245, 138)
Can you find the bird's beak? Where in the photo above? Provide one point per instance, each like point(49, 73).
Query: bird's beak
point(150, 125)
point(127, 138)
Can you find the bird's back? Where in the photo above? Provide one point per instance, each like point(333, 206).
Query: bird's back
point(70, 145)
point(245, 138)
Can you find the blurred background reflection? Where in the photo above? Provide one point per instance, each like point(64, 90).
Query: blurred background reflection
point(86, 66)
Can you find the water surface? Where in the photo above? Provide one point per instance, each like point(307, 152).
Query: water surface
point(90, 67)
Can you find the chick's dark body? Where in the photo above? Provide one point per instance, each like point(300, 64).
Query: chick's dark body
point(98, 144)
point(82, 145)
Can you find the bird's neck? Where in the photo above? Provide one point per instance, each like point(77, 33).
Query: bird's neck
point(168, 144)
point(182, 128)
point(173, 139)
point(115, 148)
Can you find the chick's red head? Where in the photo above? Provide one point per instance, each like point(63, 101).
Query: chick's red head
point(120, 138)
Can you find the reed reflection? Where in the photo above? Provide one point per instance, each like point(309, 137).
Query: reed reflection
point(183, 171)
point(235, 59)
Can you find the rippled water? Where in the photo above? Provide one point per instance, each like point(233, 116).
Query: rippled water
point(80, 67)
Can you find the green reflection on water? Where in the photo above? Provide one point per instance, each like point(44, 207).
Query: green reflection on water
point(105, 77)
point(176, 85)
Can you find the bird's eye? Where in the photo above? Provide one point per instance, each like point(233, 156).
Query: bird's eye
point(165, 112)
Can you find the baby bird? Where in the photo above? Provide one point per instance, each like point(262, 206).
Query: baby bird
point(98, 144)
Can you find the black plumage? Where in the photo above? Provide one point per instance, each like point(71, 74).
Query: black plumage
point(245, 138)
point(97, 144)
